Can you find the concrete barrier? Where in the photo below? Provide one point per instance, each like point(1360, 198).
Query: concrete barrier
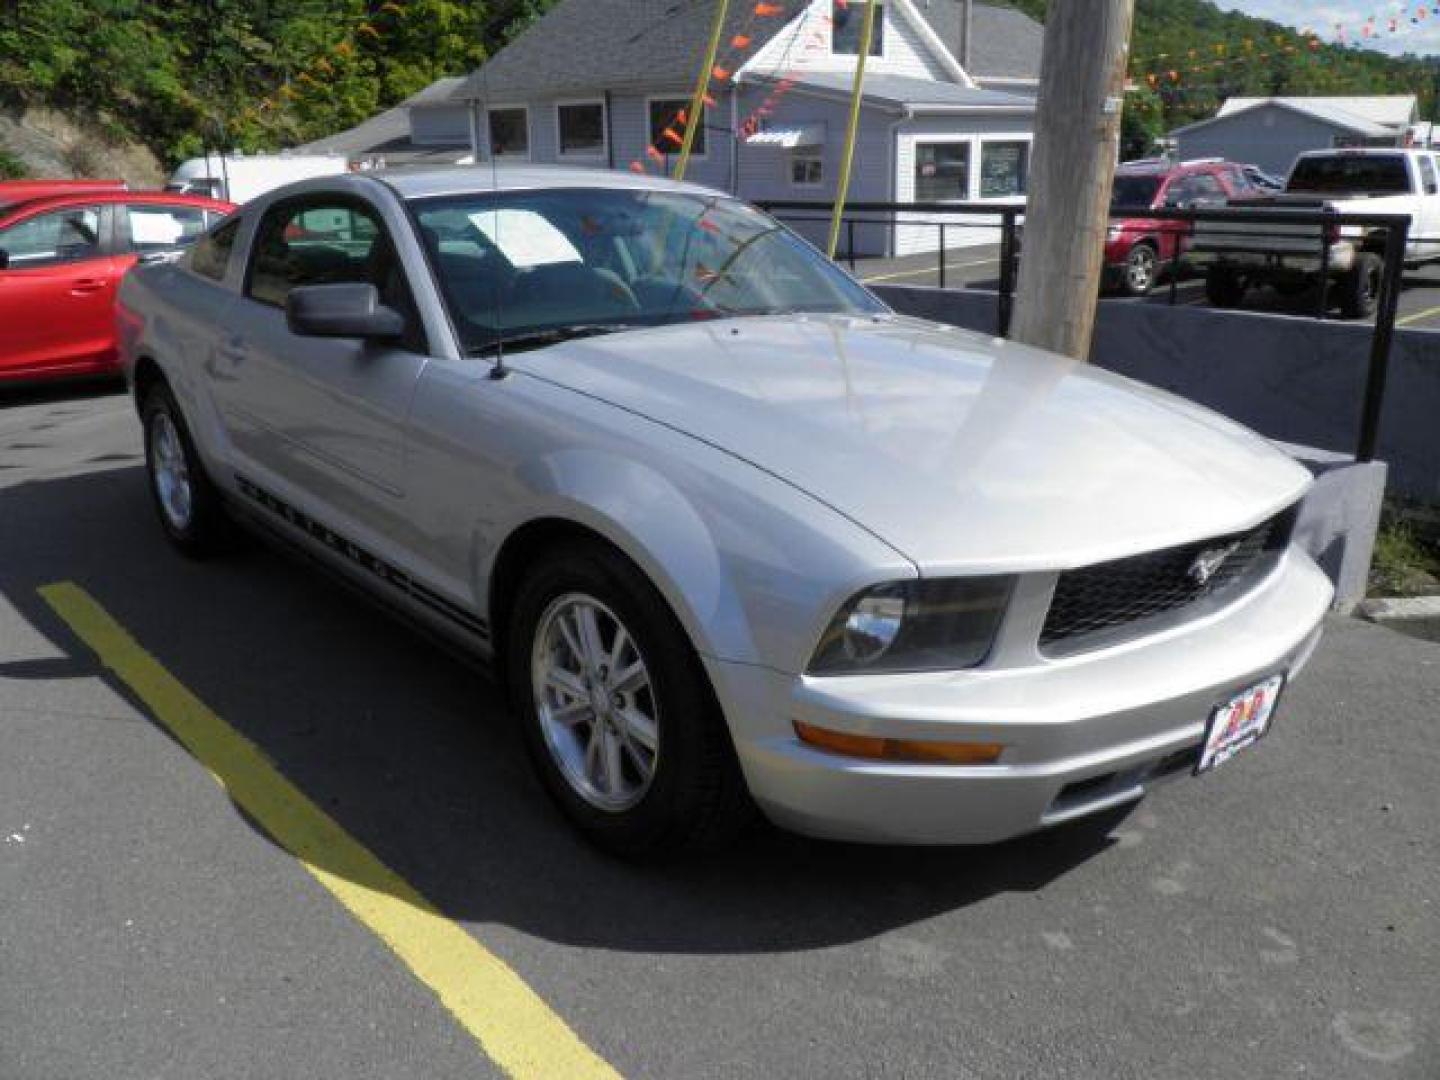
point(1298, 381)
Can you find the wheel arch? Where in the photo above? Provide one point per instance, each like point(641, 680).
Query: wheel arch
point(147, 375)
point(630, 508)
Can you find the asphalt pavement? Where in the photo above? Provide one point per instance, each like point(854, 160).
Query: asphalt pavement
point(1278, 918)
point(979, 268)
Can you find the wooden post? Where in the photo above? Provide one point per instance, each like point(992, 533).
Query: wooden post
point(696, 116)
point(1077, 132)
point(847, 160)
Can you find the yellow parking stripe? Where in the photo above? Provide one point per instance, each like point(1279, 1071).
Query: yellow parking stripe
point(1416, 316)
point(932, 270)
point(519, 1032)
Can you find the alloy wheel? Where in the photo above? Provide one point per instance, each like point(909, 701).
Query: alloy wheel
point(1140, 269)
point(170, 473)
point(595, 702)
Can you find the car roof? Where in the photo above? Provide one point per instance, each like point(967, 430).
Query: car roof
point(106, 195)
point(1162, 170)
point(412, 182)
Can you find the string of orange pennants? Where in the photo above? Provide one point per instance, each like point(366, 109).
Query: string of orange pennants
point(1402, 19)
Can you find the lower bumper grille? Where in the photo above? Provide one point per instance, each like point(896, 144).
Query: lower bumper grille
point(1123, 599)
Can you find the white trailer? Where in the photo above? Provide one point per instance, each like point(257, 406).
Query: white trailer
point(239, 178)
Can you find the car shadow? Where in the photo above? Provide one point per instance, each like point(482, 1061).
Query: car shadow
point(44, 393)
point(413, 753)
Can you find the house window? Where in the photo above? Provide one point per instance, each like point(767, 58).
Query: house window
point(510, 132)
point(807, 169)
point(582, 129)
point(942, 172)
point(665, 116)
point(847, 25)
point(1004, 168)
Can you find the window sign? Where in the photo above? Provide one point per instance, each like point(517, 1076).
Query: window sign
point(1004, 168)
point(526, 238)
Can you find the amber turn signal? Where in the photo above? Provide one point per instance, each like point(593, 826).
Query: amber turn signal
point(912, 750)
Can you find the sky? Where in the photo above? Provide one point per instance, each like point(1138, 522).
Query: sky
point(1421, 36)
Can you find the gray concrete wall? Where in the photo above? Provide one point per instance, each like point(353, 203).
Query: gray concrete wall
point(1292, 379)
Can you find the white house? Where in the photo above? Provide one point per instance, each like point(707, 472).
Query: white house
point(604, 83)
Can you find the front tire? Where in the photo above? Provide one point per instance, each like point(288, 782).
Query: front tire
point(1142, 268)
point(187, 503)
point(616, 712)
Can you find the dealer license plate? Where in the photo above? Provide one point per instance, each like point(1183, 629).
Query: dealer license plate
point(1239, 722)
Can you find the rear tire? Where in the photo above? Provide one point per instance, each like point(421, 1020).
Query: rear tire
point(1360, 288)
point(627, 739)
point(1224, 288)
point(187, 503)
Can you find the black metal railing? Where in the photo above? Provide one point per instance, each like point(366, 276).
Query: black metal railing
point(1387, 234)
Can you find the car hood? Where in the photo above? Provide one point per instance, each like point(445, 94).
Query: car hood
point(965, 453)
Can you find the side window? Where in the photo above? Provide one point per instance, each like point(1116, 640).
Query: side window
point(1181, 190)
point(156, 227)
point(210, 257)
point(1207, 187)
point(1427, 174)
point(319, 243)
point(53, 239)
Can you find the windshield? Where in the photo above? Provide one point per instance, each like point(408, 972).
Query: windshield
point(1134, 191)
point(1368, 174)
point(524, 266)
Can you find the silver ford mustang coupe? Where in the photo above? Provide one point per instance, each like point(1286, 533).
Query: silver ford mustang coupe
point(733, 533)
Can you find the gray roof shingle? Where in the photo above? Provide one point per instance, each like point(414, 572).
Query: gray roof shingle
point(1004, 42)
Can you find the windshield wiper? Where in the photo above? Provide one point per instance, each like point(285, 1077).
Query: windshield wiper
point(551, 335)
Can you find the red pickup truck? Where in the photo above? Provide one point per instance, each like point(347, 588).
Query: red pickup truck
point(1139, 249)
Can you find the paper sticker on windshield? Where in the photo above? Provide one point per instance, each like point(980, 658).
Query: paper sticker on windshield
point(525, 238)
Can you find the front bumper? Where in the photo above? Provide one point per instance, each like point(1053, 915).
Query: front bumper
point(1081, 734)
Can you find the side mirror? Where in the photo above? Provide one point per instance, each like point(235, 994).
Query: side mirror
point(343, 311)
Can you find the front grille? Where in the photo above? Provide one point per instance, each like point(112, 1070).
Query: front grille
point(1123, 599)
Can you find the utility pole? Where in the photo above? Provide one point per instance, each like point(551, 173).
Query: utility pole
point(1077, 131)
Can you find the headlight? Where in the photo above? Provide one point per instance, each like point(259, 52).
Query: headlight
point(1114, 232)
point(918, 625)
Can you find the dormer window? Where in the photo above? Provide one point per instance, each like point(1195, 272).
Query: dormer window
point(848, 23)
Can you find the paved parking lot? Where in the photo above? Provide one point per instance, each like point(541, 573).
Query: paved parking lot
point(1280, 918)
point(978, 268)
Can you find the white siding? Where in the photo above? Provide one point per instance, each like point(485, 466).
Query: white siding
point(765, 171)
point(804, 46)
point(974, 130)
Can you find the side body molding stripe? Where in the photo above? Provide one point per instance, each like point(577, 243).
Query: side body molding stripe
point(386, 572)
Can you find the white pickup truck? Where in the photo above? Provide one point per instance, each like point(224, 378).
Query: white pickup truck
point(1238, 256)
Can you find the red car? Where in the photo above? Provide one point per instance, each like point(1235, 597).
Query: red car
point(1138, 249)
point(61, 259)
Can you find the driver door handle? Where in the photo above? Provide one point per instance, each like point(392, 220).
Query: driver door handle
point(86, 286)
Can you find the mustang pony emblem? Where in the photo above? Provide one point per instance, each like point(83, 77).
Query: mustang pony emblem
point(1209, 561)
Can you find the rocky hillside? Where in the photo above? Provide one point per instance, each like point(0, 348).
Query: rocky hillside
point(38, 141)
